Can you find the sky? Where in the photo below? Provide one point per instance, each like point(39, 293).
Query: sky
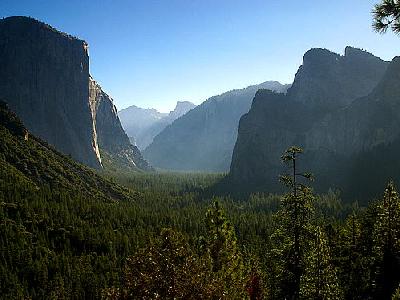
point(154, 53)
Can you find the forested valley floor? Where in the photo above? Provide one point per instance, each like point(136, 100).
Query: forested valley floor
point(67, 232)
point(172, 241)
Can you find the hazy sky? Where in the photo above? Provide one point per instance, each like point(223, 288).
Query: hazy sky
point(154, 53)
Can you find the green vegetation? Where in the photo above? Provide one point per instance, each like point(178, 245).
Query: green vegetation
point(69, 233)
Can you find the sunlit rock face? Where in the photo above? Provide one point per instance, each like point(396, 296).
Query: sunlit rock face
point(332, 110)
point(112, 139)
point(44, 77)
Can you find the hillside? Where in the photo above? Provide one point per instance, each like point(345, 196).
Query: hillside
point(203, 139)
point(34, 162)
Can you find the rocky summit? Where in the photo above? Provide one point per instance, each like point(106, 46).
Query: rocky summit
point(338, 109)
point(44, 78)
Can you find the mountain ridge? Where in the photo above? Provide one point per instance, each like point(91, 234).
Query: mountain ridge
point(329, 131)
point(143, 124)
point(203, 138)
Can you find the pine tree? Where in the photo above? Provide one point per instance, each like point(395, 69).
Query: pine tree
point(396, 294)
point(292, 235)
point(223, 251)
point(387, 15)
point(351, 259)
point(388, 223)
point(319, 280)
point(386, 239)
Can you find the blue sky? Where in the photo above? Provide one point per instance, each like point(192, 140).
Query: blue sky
point(154, 53)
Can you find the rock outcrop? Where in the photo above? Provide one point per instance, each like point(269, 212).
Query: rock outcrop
point(203, 139)
point(330, 80)
point(114, 144)
point(142, 125)
point(335, 110)
point(44, 78)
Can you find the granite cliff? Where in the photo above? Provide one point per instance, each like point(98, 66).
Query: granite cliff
point(327, 79)
point(337, 108)
point(115, 147)
point(203, 138)
point(44, 78)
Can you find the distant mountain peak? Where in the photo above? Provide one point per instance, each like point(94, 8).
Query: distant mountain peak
point(143, 124)
point(183, 103)
point(181, 108)
point(203, 138)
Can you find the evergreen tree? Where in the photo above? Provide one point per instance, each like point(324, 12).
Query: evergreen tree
point(387, 15)
point(319, 280)
point(292, 234)
point(396, 294)
point(387, 243)
point(352, 259)
point(223, 251)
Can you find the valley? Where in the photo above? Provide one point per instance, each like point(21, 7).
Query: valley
point(279, 190)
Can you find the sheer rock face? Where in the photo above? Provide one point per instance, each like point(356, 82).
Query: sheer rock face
point(203, 139)
point(366, 123)
point(110, 136)
point(330, 80)
point(327, 111)
point(44, 77)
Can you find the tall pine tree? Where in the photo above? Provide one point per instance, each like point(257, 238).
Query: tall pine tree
point(292, 233)
point(387, 243)
point(319, 280)
point(223, 251)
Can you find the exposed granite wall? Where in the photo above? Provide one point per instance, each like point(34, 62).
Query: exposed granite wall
point(44, 77)
point(323, 112)
point(111, 137)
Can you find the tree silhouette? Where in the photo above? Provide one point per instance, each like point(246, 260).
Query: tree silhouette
point(296, 211)
point(387, 15)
